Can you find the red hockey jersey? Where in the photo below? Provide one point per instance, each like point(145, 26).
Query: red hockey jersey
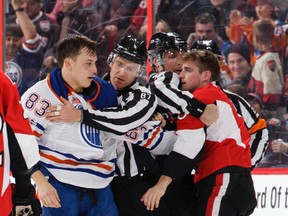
point(223, 144)
point(11, 113)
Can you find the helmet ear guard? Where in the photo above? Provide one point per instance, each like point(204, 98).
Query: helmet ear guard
point(110, 58)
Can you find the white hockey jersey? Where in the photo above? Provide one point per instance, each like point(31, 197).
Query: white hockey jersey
point(70, 152)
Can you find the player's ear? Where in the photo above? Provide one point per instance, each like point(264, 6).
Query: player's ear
point(111, 58)
point(68, 63)
point(206, 75)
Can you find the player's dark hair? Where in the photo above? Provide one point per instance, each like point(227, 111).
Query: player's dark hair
point(71, 46)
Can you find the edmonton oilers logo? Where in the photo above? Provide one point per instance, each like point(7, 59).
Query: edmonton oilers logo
point(91, 136)
point(15, 73)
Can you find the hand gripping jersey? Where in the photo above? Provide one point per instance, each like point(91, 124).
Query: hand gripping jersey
point(223, 144)
point(70, 152)
point(11, 113)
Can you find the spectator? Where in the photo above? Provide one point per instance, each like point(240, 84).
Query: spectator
point(279, 146)
point(237, 58)
point(33, 10)
point(74, 18)
point(224, 7)
point(179, 14)
point(47, 6)
point(121, 19)
point(255, 101)
point(206, 28)
point(267, 76)
point(241, 29)
point(57, 7)
point(13, 41)
point(162, 26)
point(25, 69)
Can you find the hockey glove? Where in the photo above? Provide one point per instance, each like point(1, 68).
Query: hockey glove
point(27, 206)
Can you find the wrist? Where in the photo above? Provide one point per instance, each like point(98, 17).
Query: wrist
point(164, 181)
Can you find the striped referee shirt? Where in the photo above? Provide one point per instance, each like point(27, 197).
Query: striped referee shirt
point(136, 105)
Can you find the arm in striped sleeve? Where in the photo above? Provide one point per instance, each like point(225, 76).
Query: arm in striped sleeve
point(166, 88)
point(133, 111)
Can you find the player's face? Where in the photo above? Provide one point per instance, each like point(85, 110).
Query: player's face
point(83, 70)
point(172, 61)
point(123, 73)
point(190, 77)
point(31, 7)
point(206, 31)
point(13, 44)
point(238, 65)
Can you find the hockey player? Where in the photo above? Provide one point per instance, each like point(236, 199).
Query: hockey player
point(255, 124)
point(72, 155)
point(18, 153)
point(220, 153)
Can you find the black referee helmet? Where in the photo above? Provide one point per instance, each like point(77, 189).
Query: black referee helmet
point(162, 42)
point(207, 45)
point(131, 49)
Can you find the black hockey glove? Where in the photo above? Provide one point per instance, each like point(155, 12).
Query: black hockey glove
point(27, 206)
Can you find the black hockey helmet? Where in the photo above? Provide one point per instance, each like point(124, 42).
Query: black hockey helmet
point(207, 45)
point(131, 49)
point(161, 42)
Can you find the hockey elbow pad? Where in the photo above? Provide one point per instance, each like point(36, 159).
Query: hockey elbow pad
point(196, 108)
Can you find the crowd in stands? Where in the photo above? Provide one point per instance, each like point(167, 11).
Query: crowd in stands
point(251, 35)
